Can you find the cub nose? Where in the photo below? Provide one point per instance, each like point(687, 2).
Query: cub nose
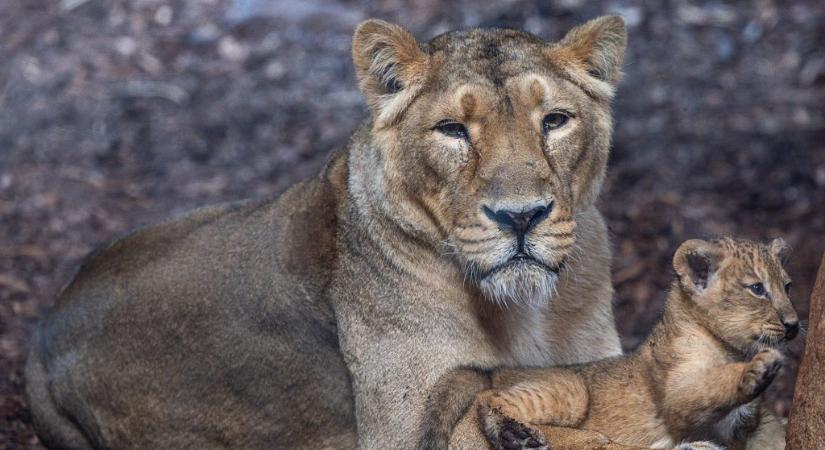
point(791, 329)
point(520, 220)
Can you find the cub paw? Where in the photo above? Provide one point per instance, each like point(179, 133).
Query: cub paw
point(760, 373)
point(505, 433)
point(700, 445)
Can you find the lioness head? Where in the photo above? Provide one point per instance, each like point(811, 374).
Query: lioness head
point(740, 289)
point(486, 142)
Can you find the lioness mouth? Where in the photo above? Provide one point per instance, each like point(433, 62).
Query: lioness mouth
point(523, 260)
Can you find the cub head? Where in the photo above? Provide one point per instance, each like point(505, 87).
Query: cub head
point(485, 143)
point(741, 290)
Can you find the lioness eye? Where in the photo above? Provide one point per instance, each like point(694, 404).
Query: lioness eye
point(452, 129)
point(757, 289)
point(554, 120)
point(788, 287)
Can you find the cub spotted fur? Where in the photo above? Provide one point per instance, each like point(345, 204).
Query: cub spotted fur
point(697, 377)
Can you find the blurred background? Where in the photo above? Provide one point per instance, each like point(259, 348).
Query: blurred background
point(116, 114)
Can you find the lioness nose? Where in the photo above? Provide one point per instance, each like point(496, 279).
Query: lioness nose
point(791, 329)
point(519, 220)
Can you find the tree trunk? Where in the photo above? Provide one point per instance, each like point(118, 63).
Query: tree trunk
point(806, 426)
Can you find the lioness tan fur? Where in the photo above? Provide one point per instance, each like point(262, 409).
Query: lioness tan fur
point(455, 228)
point(698, 376)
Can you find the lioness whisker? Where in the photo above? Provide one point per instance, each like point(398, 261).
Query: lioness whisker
point(560, 235)
point(477, 241)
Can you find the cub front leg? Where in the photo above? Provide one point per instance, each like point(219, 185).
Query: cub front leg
point(769, 433)
point(702, 396)
point(555, 398)
point(759, 373)
point(561, 438)
point(507, 415)
point(505, 433)
point(752, 427)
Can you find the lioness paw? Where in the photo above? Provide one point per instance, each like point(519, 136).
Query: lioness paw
point(760, 373)
point(505, 433)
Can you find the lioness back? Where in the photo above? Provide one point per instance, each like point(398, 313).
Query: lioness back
point(169, 332)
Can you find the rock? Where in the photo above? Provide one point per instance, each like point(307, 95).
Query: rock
point(717, 14)
point(813, 71)
point(752, 32)
point(164, 15)
point(231, 49)
point(125, 45)
point(204, 34)
point(69, 5)
point(244, 10)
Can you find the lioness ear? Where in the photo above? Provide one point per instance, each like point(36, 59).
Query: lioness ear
point(391, 68)
point(780, 249)
point(695, 262)
point(597, 47)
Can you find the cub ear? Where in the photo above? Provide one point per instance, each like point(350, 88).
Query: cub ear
point(596, 46)
point(695, 262)
point(780, 249)
point(391, 68)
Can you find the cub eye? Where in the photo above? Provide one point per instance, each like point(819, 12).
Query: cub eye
point(554, 120)
point(757, 289)
point(452, 129)
point(788, 287)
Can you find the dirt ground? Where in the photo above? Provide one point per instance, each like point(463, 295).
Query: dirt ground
point(115, 114)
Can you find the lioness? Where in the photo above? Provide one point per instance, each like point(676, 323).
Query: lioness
point(699, 374)
point(455, 228)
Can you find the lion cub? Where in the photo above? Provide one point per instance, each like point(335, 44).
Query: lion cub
point(697, 377)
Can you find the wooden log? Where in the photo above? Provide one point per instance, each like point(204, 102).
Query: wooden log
point(806, 425)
